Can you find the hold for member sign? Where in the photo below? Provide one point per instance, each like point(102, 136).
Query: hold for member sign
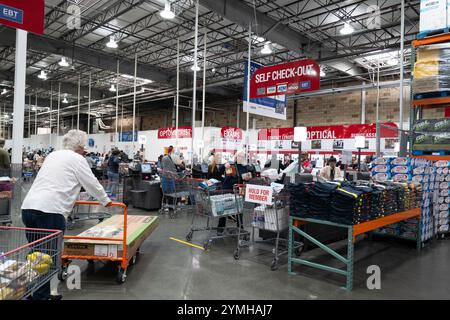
point(258, 194)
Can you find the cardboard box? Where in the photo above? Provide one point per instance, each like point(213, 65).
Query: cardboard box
point(433, 15)
point(139, 229)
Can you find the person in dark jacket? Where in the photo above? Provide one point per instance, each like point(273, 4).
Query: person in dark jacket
point(113, 173)
point(235, 173)
point(215, 169)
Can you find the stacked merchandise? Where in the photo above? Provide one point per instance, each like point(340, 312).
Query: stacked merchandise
point(381, 169)
point(346, 206)
point(378, 196)
point(442, 195)
point(299, 195)
point(226, 204)
point(265, 217)
point(432, 134)
point(320, 196)
point(432, 69)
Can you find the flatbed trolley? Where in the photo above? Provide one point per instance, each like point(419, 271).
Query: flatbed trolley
point(127, 258)
point(29, 258)
point(213, 204)
point(273, 218)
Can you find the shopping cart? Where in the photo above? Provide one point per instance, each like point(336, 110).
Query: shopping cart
point(27, 170)
point(29, 258)
point(124, 259)
point(6, 196)
point(118, 195)
point(273, 217)
point(177, 191)
point(213, 204)
point(86, 212)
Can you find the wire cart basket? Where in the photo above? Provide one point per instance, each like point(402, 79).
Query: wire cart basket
point(29, 258)
point(27, 170)
point(213, 204)
point(176, 188)
point(272, 217)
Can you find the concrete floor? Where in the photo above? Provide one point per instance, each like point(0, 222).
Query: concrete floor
point(170, 270)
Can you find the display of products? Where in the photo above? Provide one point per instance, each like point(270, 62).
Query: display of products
point(226, 204)
point(441, 196)
point(432, 134)
point(431, 70)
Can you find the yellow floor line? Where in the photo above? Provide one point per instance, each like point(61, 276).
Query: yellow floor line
point(187, 243)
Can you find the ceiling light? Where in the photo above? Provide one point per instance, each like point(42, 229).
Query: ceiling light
point(322, 73)
point(33, 108)
point(42, 75)
point(266, 49)
point(347, 29)
point(260, 39)
point(63, 62)
point(393, 62)
point(4, 91)
point(167, 13)
point(213, 70)
point(113, 88)
point(65, 100)
point(112, 43)
point(195, 68)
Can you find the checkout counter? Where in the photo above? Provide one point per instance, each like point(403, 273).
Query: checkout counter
point(144, 187)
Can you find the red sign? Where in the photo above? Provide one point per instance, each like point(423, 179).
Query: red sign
point(23, 14)
point(171, 133)
point(231, 133)
point(447, 112)
point(332, 132)
point(286, 78)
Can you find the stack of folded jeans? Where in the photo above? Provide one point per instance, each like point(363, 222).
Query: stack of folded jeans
point(377, 202)
point(346, 206)
point(401, 197)
point(320, 196)
point(299, 199)
point(366, 206)
point(391, 198)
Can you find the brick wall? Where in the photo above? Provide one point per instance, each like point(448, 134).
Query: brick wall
point(330, 109)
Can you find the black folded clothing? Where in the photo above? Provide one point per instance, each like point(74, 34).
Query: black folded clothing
point(346, 206)
point(320, 197)
point(299, 199)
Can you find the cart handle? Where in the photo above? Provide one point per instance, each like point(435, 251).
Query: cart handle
point(96, 203)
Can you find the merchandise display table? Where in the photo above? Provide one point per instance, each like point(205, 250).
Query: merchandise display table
point(353, 231)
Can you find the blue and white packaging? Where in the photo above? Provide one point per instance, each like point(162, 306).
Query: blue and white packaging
point(400, 169)
point(418, 170)
point(417, 178)
point(400, 161)
point(401, 177)
point(382, 176)
point(381, 168)
point(381, 160)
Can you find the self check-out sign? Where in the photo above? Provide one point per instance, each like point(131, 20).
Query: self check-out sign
point(27, 15)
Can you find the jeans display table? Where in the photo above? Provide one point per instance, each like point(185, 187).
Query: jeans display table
point(352, 232)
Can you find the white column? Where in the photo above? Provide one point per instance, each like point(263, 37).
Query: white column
point(178, 93)
point(30, 102)
point(78, 106)
point(378, 134)
point(204, 95)
point(363, 104)
point(57, 115)
point(402, 57)
point(89, 106)
point(50, 113)
point(194, 85)
point(35, 116)
point(117, 98)
point(19, 98)
point(134, 96)
point(249, 73)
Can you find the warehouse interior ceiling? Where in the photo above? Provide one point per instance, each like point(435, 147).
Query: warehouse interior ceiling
point(293, 29)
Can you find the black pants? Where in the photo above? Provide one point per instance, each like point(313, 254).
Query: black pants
point(41, 220)
point(223, 221)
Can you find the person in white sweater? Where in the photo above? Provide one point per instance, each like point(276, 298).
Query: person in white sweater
point(52, 196)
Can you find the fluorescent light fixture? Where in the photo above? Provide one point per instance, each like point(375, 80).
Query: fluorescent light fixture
point(127, 76)
point(112, 43)
point(65, 100)
point(260, 39)
point(347, 29)
point(113, 88)
point(167, 13)
point(322, 73)
point(300, 134)
point(63, 62)
point(393, 62)
point(195, 68)
point(4, 91)
point(213, 70)
point(360, 142)
point(42, 75)
point(33, 108)
point(266, 49)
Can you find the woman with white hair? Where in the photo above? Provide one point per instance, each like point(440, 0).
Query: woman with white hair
point(54, 191)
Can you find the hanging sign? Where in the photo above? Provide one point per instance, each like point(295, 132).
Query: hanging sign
point(142, 139)
point(23, 14)
point(231, 133)
point(273, 107)
point(286, 78)
point(171, 133)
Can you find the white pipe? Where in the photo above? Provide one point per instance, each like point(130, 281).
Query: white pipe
point(178, 93)
point(35, 115)
point(117, 96)
point(121, 124)
point(29, 115)
point(247, 133)
point(78, 109)
point(57, 115)
point(378, 133)
point(51, 107)
point(204, 93)
point(194, 89)
point(19, 96)
point(134, 96)
point(402, 57)
point(89, 105)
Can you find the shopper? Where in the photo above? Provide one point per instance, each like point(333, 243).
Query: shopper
point(5, 163)
point(113, 173)
point(159, 163)
point(331, 172)
point(54, 191)
point(306, 166)
point(235, 173)
point(38, 160)
point(364, 166)
point(216, 169)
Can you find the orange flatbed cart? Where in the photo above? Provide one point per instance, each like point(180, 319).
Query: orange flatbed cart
point(352, 231)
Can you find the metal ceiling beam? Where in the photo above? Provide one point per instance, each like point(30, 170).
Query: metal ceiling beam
point(240, 13)
point(95, 58)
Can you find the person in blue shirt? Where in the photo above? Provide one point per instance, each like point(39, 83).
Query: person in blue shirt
point(113, 173)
